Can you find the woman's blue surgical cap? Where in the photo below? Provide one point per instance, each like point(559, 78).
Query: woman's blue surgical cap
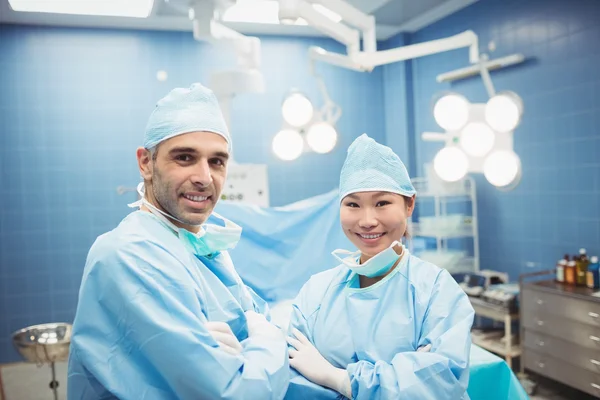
point(373, 167)
point(183, 111)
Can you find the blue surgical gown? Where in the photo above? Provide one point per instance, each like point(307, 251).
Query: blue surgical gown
point(139, 332)
point(374, 333)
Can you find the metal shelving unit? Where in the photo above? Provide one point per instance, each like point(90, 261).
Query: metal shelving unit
point(445, 196)
point(506, 348)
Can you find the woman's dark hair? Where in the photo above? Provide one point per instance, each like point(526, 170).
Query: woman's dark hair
point(407, 201)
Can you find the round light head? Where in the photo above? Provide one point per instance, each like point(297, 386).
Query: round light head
point(501, 168)
point(288, 144)
point(451, 112)
point(297, 110)
point(477, 139)
point(503, 111)
point(451, 164)
point(321, 137)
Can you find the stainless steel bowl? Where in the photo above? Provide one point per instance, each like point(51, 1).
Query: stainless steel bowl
point(45, 343)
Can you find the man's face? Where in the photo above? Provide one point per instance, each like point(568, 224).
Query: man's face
point(185, 176)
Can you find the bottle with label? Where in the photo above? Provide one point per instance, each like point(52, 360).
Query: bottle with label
point(581, 266)
point(570, 272)
point(593, 274)
point(560, 270)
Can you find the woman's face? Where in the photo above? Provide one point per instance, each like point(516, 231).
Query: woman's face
point(373, 220)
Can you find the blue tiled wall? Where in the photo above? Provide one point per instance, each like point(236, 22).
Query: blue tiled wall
point(73, 106)
point(556, 208)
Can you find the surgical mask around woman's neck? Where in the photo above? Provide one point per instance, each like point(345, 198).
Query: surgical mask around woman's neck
point(210, 239)
point(375, 266)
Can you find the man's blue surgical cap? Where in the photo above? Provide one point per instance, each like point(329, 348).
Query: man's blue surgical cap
point(183, 111)
point(373, 167)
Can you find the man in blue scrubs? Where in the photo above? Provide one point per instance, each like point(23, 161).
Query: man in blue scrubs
point(162, 313)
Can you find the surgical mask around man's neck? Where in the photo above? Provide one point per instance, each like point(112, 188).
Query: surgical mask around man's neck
point(210, 239)
point(162, 215)
point(375, 266)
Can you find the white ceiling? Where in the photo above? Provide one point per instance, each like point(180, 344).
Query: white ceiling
point(392, 17)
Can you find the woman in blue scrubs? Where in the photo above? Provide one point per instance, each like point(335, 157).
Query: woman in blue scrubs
point(383, 324)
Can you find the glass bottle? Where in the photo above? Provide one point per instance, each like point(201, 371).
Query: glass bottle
point(581, 266)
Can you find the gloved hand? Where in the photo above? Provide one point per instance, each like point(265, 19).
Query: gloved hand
point(258, 325)
point(225, 337)
point(307, 360)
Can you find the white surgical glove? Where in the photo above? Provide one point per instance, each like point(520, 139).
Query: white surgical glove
point(307, 360)
point(258, 325)
point(225, 337)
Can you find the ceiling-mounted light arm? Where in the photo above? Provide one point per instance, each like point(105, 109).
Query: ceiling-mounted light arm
point(369, 58)
point(466, 39)
point(291, 10)
point(354, 17)
point(340, 60)
point(330, 112)
point(247, 49)
point(473, 70)
point(207, 29)
point(201, 13)
point(363, 61)
point(485, 76)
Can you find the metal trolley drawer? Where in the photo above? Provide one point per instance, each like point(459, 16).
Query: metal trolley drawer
point(570, 353)
point(557, 327)
point(578, 378)
point(586, 312)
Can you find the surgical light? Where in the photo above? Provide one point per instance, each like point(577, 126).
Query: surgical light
point(477, 139)
point(288, 144)
point(451, 164)
point(321, 137)
point(484, 144)
point(123, 8)
point(503, 111)
point(451, 112)
point(501, 168)
point(297, 110)
point(316, 126)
